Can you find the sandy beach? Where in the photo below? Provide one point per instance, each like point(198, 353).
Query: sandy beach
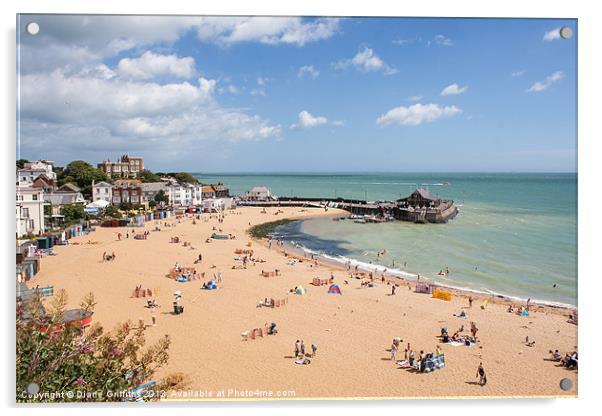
point(352, 331)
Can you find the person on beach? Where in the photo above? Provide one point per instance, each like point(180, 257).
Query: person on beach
point(113, 255)
point(314, 349)
point(470, 301)
point(474, 330)
point(393, 352)
point(104, 256)
point(297, 348)
point(393, 290)
point(302, 348)
point(528, 302)
point(481, 375)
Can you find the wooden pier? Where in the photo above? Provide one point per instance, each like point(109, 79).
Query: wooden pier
point(419, 207)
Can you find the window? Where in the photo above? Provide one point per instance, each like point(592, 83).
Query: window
point(25, 213)
point(34, 197)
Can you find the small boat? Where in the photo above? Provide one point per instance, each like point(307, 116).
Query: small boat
point(360, 221)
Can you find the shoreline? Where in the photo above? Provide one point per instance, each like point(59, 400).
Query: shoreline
point(406, 277)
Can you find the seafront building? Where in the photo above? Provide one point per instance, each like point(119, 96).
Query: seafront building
point(102, 191)
point(185, 195)
point(125, 167)
point(151, 189)
point(127, 191)
point(258, 193)
point(29, 210)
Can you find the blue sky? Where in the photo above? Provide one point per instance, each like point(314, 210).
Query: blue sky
point(300, 94)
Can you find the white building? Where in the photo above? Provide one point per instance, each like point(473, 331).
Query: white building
point(102, 191)
point(29, 211)
point(258, 193)
point(218, 204)
point(185, 195)
point(31, 170)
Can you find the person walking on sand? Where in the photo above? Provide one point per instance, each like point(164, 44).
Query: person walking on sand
point(474, 330)
point(302, 348)
point(297, 348)
point(104, 256)
point(314, 349)
point(393, 289)
point(481, 375)
point(470, 301)
point(393, 352)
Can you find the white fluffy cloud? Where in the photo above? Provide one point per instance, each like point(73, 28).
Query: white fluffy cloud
point(416, 114)
point(150, 65)
point(367, 61)
point(269, 30)
point(454, 89)
point(553, 34)
point(518, 73)
point(539, 86)
point(306, 120)
point(125, 115)
point(308, 71)
point(73, 40)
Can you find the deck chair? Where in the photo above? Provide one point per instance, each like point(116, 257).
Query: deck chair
point(245, 335)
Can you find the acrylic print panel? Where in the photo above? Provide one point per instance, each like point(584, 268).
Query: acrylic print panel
point(295, 208)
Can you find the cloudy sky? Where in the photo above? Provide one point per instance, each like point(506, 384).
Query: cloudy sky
point(248, 94)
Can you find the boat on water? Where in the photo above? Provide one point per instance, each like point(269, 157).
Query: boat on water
point(360, 221)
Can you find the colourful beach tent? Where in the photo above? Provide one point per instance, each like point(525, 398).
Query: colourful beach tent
point(334, 289)
point(300, 290)
point(211, 285)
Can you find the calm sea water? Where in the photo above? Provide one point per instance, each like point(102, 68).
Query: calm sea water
point(516, 234)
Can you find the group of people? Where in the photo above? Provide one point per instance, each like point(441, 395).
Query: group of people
point(570, 360)
point(301, 357)
point(458, 337)
point(410, 360)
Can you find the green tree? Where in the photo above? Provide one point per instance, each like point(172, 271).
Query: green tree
point(162, 197)
point(146, 176)
point(81, 173)
point(74, 212)
point(112, 211)
point(184, 177)
point(21, 163)
point(61, 358)
point(126, 206)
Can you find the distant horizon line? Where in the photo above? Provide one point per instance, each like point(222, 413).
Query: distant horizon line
point(373, 172)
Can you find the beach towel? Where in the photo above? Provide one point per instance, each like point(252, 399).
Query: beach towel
point(440, 294)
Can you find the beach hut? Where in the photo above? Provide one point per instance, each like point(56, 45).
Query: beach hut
point(334, 289)
point(300, 290)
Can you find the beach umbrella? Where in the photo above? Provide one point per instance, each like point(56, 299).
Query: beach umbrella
point(335, 289)
point(300, 290)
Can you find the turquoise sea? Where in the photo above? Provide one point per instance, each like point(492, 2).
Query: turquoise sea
point(516, 233)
